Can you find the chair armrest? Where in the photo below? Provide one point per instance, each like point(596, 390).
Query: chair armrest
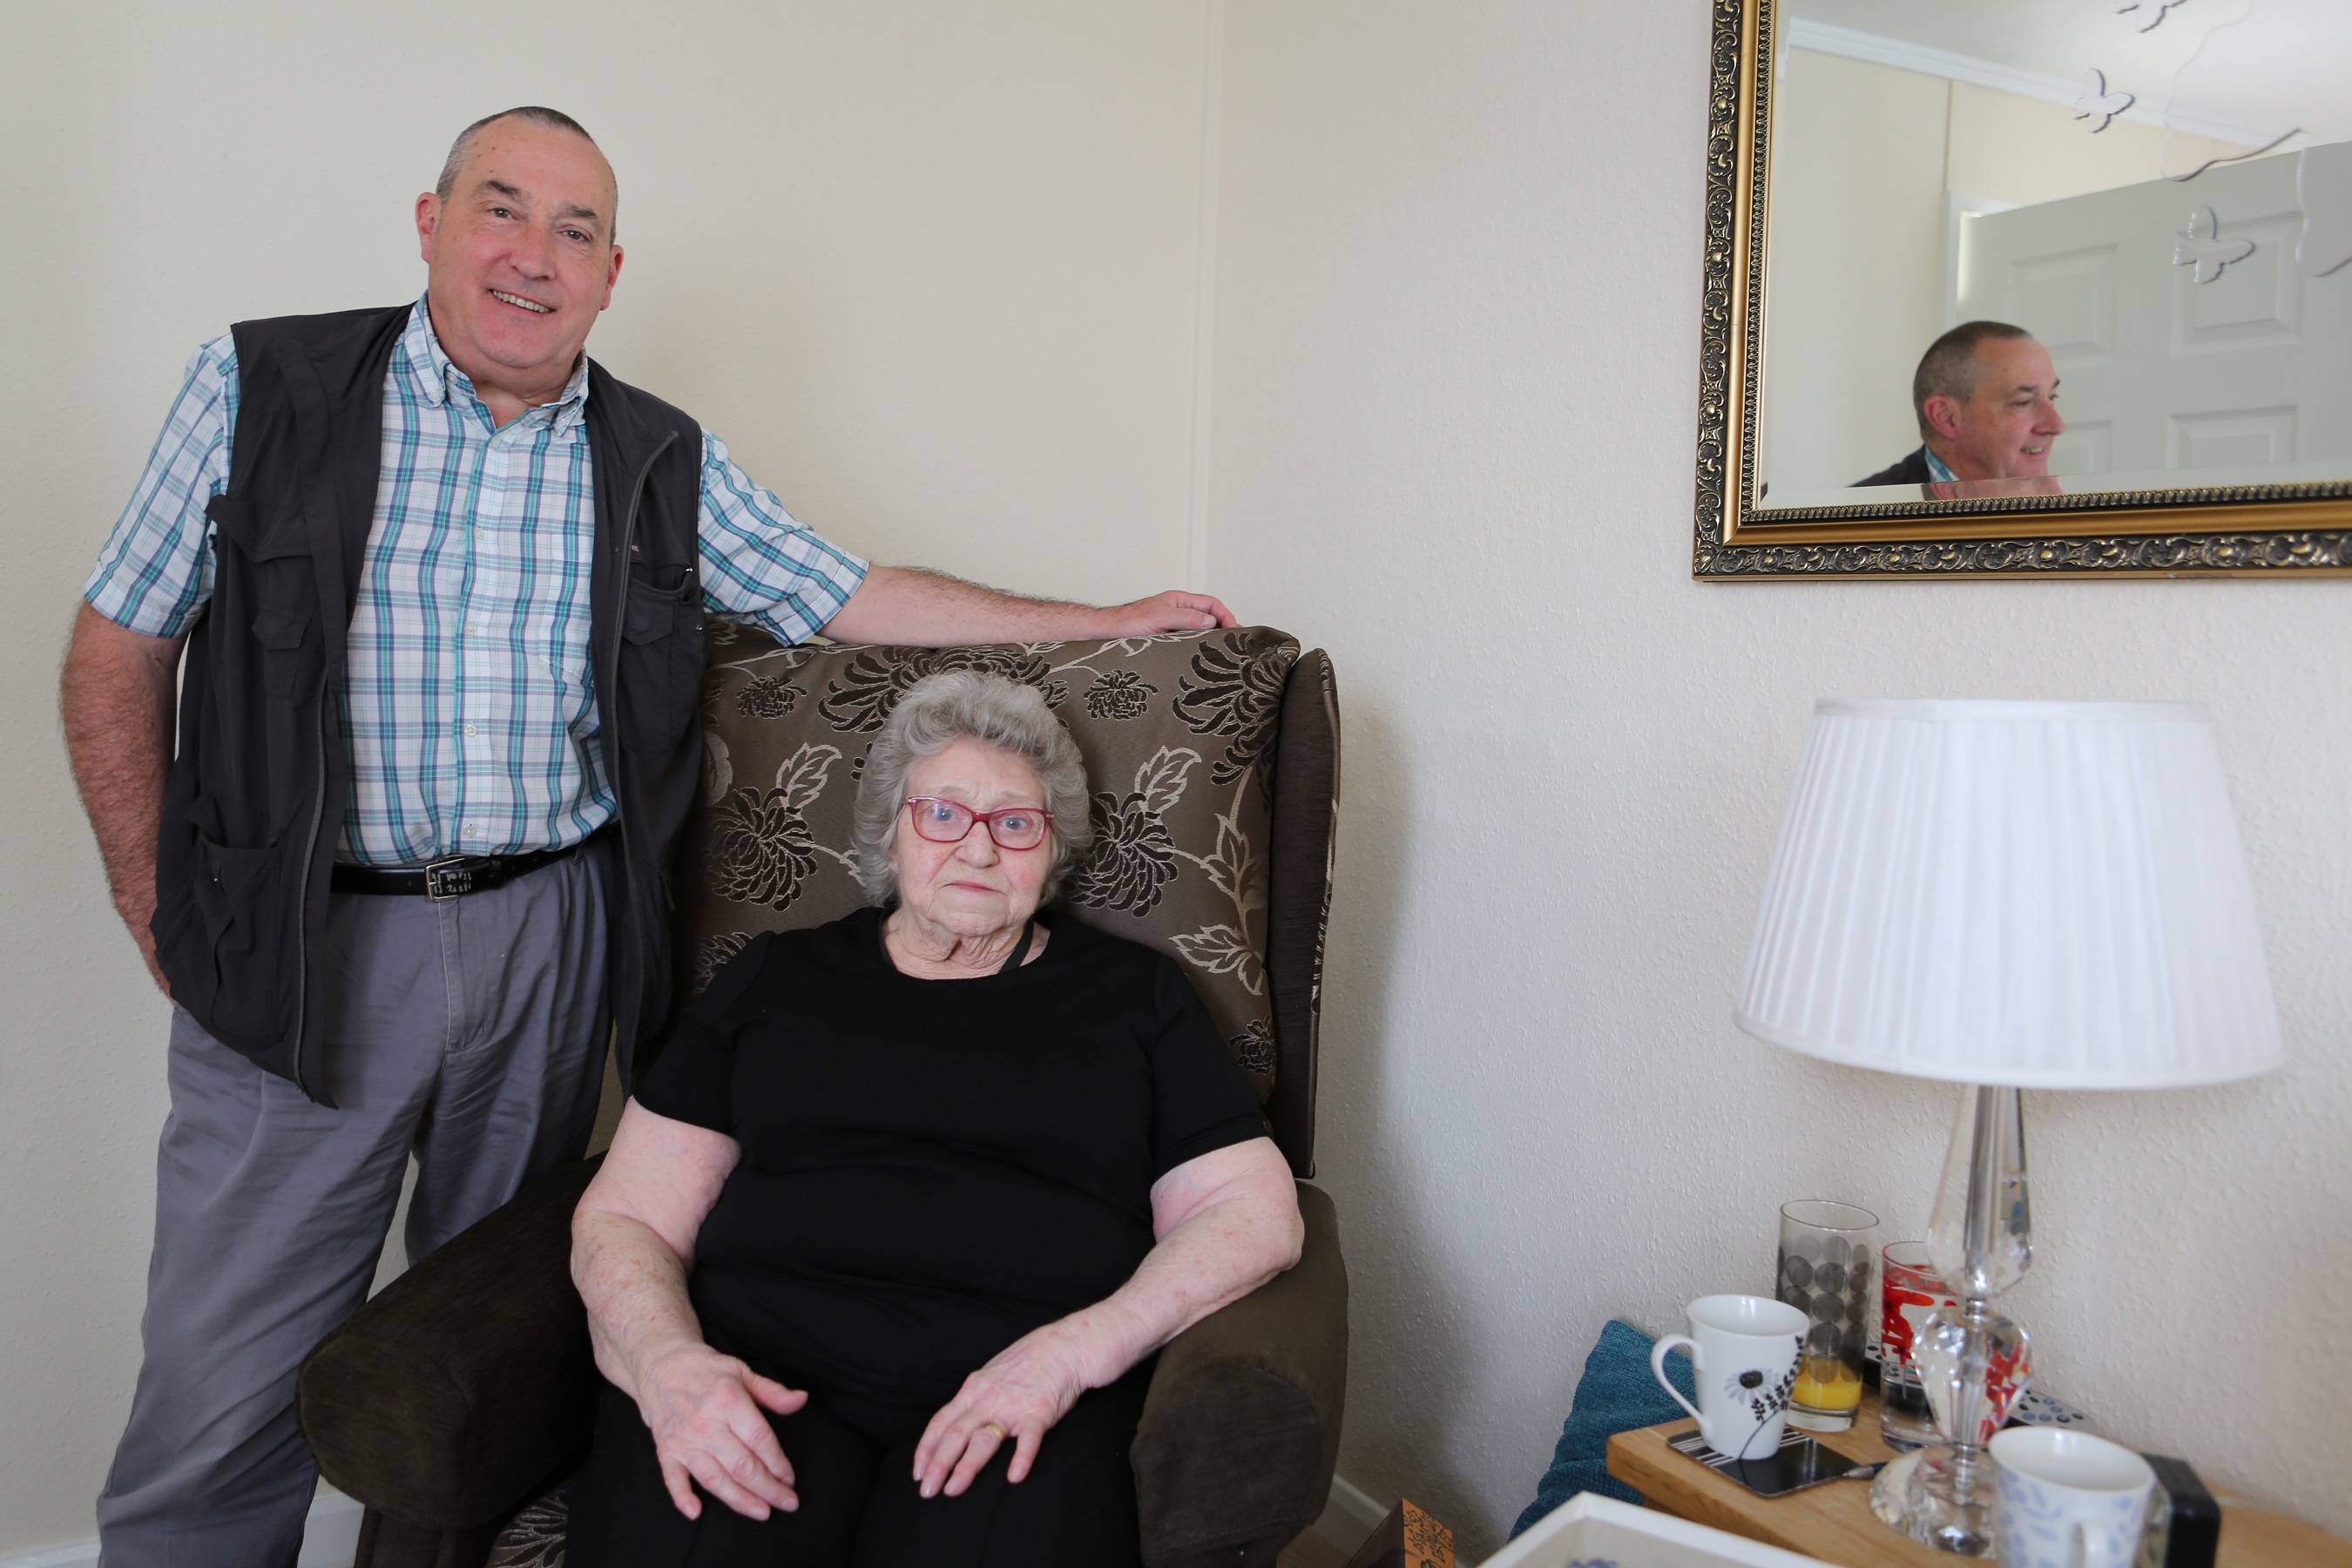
point(468, 1381)
point(1240, 1432)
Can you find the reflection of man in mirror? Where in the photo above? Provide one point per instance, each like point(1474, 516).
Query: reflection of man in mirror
point(1986, 396)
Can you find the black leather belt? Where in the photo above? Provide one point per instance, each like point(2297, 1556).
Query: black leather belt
point(451, 879)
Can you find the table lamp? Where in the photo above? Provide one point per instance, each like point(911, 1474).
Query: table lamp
point(2009, 895)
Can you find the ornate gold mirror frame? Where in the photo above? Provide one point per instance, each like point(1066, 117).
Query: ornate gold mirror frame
point(2298, 529)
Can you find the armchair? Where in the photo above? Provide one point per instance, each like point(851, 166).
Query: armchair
point(454, 1404)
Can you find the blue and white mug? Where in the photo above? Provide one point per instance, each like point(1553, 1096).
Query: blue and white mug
point(2067, 1500)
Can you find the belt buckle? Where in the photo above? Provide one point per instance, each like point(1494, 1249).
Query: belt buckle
point(449, 879)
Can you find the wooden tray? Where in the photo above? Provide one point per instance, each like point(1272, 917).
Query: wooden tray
point(1833, 1521)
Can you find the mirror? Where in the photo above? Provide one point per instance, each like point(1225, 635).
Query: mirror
point(2030, 286)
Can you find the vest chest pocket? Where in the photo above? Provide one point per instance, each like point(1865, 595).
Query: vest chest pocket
point(288, 668)
point(662, 652)
point(281, 537)
point(266, 564)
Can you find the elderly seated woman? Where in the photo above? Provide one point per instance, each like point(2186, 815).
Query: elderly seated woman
point(891, 1231)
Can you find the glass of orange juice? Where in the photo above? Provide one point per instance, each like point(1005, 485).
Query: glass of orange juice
point(1829, 1257)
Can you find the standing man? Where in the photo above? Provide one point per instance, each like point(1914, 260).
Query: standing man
point(1986, 397)
point(441, 583)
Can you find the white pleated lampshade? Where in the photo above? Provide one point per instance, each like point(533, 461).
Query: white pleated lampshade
point(2049, 895)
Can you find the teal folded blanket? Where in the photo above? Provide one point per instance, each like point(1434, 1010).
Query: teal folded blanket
point(1615, 1395)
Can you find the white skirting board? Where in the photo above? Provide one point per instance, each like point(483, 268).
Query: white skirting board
point(1350, 1515)
point(329, 1540)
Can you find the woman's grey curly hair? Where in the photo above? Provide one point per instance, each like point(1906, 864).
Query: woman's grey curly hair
point(940, 709)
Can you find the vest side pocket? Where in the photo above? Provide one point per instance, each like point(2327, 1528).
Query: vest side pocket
point(237, 910)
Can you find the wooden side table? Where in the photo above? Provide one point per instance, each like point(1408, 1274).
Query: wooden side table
point(1833, 1523)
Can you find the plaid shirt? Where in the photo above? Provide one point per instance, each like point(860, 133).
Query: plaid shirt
point(467, 701)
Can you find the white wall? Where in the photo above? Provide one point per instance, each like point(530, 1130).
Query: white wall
point(929, 268)
point(1456, 379)
point(935, 280)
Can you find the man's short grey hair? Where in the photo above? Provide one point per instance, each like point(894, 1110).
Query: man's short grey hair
point(1949, 368)
point(949, 706)
point(531, 114)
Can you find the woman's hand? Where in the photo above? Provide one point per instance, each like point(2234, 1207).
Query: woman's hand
point(1024, 1388)
point(703, 1410)
point(1227, 1221)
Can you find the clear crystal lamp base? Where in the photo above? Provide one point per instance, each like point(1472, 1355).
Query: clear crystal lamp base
point(1973, 1363)
point(1928, 1497)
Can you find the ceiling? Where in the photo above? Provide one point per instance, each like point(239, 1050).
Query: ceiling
point(2274, 65)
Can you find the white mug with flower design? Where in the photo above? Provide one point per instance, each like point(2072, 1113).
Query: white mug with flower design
point(1743, 1351)
point(2067, 1500)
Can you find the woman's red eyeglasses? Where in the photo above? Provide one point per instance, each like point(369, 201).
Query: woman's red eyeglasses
point(949, 822)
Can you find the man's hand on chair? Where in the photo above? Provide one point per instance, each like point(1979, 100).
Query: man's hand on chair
point(1174, 611)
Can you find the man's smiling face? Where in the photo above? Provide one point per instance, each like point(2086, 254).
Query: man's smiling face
point(520, 260)
point(2004, 427)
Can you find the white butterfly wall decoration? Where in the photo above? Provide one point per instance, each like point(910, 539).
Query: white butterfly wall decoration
point(2151, 12)
point(2201, 247)
point(2097, 104)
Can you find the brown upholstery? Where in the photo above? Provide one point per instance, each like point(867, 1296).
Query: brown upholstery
point(457, 1395)
point(1176, 732)
point(464, 1387)
point(1306, 820)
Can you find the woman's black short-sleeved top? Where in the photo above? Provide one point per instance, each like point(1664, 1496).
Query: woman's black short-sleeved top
point(932, 1168)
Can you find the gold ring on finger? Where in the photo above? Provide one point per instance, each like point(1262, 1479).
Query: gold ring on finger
point(992, 1426)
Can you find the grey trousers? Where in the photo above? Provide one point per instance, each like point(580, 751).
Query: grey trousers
point(470, 1032)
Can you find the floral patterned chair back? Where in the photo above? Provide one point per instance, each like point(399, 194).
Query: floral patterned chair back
point(1213, 761)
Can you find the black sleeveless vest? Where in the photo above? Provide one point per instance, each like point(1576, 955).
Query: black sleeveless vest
point(255, 804)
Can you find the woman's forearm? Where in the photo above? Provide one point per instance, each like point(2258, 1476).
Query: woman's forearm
point(635, 1288)
point(1212, 1259)
point(632, 1238)
point(708, 1413)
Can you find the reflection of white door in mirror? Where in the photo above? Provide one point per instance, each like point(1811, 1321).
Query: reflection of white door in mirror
point(1958, 207)
point(2240, 378)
